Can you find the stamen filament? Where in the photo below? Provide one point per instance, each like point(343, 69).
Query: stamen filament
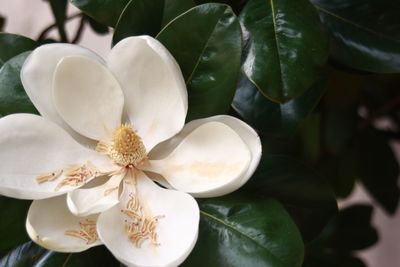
point(138, 225)
point(87, 232)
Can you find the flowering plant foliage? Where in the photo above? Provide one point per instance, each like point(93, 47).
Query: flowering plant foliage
point(178, 147)
point(81, 138)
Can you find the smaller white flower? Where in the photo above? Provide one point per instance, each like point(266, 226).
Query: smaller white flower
point(121, 122)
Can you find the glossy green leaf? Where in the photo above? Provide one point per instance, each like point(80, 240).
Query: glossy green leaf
point(173, 8)
point(206, 42)
point(379, 169)
point(270, 117)
point(246, 231)
point(13, 98)
point(284, 47)
point(104, 11)
point(12, 224)
point(304, 193)
point(59, 9)
point(12, 45)
point(147, 17)
point(31, 255)
point(365, 34)
point(24, 255)
point(237, 5)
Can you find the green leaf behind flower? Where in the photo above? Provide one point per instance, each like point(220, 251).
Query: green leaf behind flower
point(12, 224)
point(271, 117)
point(206, 42)
point(104, 11)
point(246, 231)
point(31, 255)
point(13, 44)
point(284, 46)
point(365, 34)
point(13, 97)
point(147, 17)
point(307, 197)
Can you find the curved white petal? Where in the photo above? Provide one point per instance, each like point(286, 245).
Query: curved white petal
point(32, 147)
point(37, 78)
point(248, 136)
point(86, 201)
point(176, 231)
point(156, 96)
point(52, 226)
point(87, 97)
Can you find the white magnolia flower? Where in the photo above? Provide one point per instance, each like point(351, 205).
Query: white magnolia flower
point(120, 121)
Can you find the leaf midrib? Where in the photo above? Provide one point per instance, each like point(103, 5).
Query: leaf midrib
point(189, 79)
point(241, 233)
point(277, 45)
point(354, 24)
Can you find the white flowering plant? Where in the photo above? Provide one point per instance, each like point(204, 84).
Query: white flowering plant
point(178, 147)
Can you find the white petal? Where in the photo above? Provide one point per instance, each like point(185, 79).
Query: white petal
point(246, 133)
point(86, 201)
point(208, 158)
point(37, 78)
point(176, 231)
point(49, 223)
point(156, 96)
point(87, 97)
point(32, 146)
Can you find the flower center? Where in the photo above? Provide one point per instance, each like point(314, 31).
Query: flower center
point(126, 149)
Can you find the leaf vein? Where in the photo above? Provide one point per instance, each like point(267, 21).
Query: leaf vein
point(355, 24)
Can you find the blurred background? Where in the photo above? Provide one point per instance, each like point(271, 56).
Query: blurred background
point(37, 16)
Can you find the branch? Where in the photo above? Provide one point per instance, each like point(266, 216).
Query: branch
point(44, 33)
point(78, 34)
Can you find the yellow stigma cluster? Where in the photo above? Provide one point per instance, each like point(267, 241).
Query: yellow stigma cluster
point(127, 147)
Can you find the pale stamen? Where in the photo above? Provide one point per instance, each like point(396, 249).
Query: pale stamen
point(87, 232)
point(48, 177)
point(74, 176)
point(138, 225)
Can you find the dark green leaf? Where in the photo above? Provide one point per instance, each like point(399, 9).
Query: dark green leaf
point(365, 34)
point(237, 5)
point(147, 17)
point(206, 42)
point(25, 255)
point(59, 9)
point(12, 224)
point(329, 259)
point(97, 27)
point(353, 229)
point(12, 45)
point(310, 138)
point(246, 231)
point(350, 230)
point(31, 255)
point(173, 8)
point(270, 117)
point(304, 193)
point(379, 169)
point(104, 11)
point(341, 171)
point(284, 46)
point(13, 98)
